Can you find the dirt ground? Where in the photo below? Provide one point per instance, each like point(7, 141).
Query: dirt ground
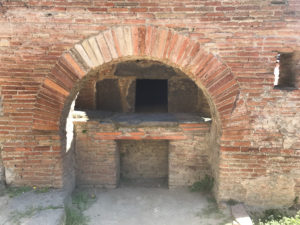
point(155, 206)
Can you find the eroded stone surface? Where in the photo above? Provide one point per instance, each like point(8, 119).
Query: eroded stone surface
point(154, 206)
point(270, 191)
point(33, 208)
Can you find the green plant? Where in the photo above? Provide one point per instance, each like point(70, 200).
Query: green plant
point(16, 191)
point(75, 217)
point(212, 211)
point(82, 200)
point(285, 220)
point(296, 200)
point(205, 185)
point(273, 214)
point(42, 190)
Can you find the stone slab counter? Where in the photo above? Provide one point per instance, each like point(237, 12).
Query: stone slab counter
point(98, 137)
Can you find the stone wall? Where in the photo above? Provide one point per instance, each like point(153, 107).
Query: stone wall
point(87, 99)
point(184, 96)
point(188, 159)
point(144, 152)
point(268, 169)
point(143, 159)
point(108, 95)
point(96, 162)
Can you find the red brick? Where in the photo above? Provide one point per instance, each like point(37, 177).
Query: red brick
point(55, 87)
point(73, 65)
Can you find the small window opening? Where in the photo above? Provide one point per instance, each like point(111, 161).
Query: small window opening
point(286, 71)
point(151, 95)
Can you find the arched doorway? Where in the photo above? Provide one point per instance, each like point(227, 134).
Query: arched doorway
point(152, 119)
point(121, 44)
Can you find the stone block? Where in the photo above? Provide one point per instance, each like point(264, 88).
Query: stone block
point(95, 47)
point(104, 48)
point(109, 40)
point(85, 58)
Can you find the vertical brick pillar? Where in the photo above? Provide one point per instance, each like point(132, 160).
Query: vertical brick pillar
point(97, 162)
point(188, 162)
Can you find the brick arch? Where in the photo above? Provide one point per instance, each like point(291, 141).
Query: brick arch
point(124, 43)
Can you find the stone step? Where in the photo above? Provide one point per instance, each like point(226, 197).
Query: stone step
point(240, 214)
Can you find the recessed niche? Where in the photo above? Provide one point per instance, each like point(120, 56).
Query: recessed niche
point(289, 67)
point(144, 87)
point(151, 95)
point(108, 95)
point(143, 162)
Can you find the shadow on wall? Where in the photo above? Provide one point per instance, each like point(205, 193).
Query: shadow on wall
point(2, 175)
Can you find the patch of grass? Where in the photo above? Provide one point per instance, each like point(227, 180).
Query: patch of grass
point(276, 217)
point(16, 191)
point(16, 216)
point(205, 185)
point(82, 200)
point(212, 211)
point(296, 200)
point(279, 219)
point(75, 217)
point(42, 190)
point(273, 214)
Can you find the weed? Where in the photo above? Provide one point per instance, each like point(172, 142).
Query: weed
point(16, 191)
point(278, 219)
point(75, 217)
point(82, 200)
point(296, 200)
point(205, 185)
point(42, 190)
point(272, 214)
point(212, 211)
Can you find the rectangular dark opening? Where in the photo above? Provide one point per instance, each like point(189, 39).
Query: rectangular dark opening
point(151, 95)
point(289, 66)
